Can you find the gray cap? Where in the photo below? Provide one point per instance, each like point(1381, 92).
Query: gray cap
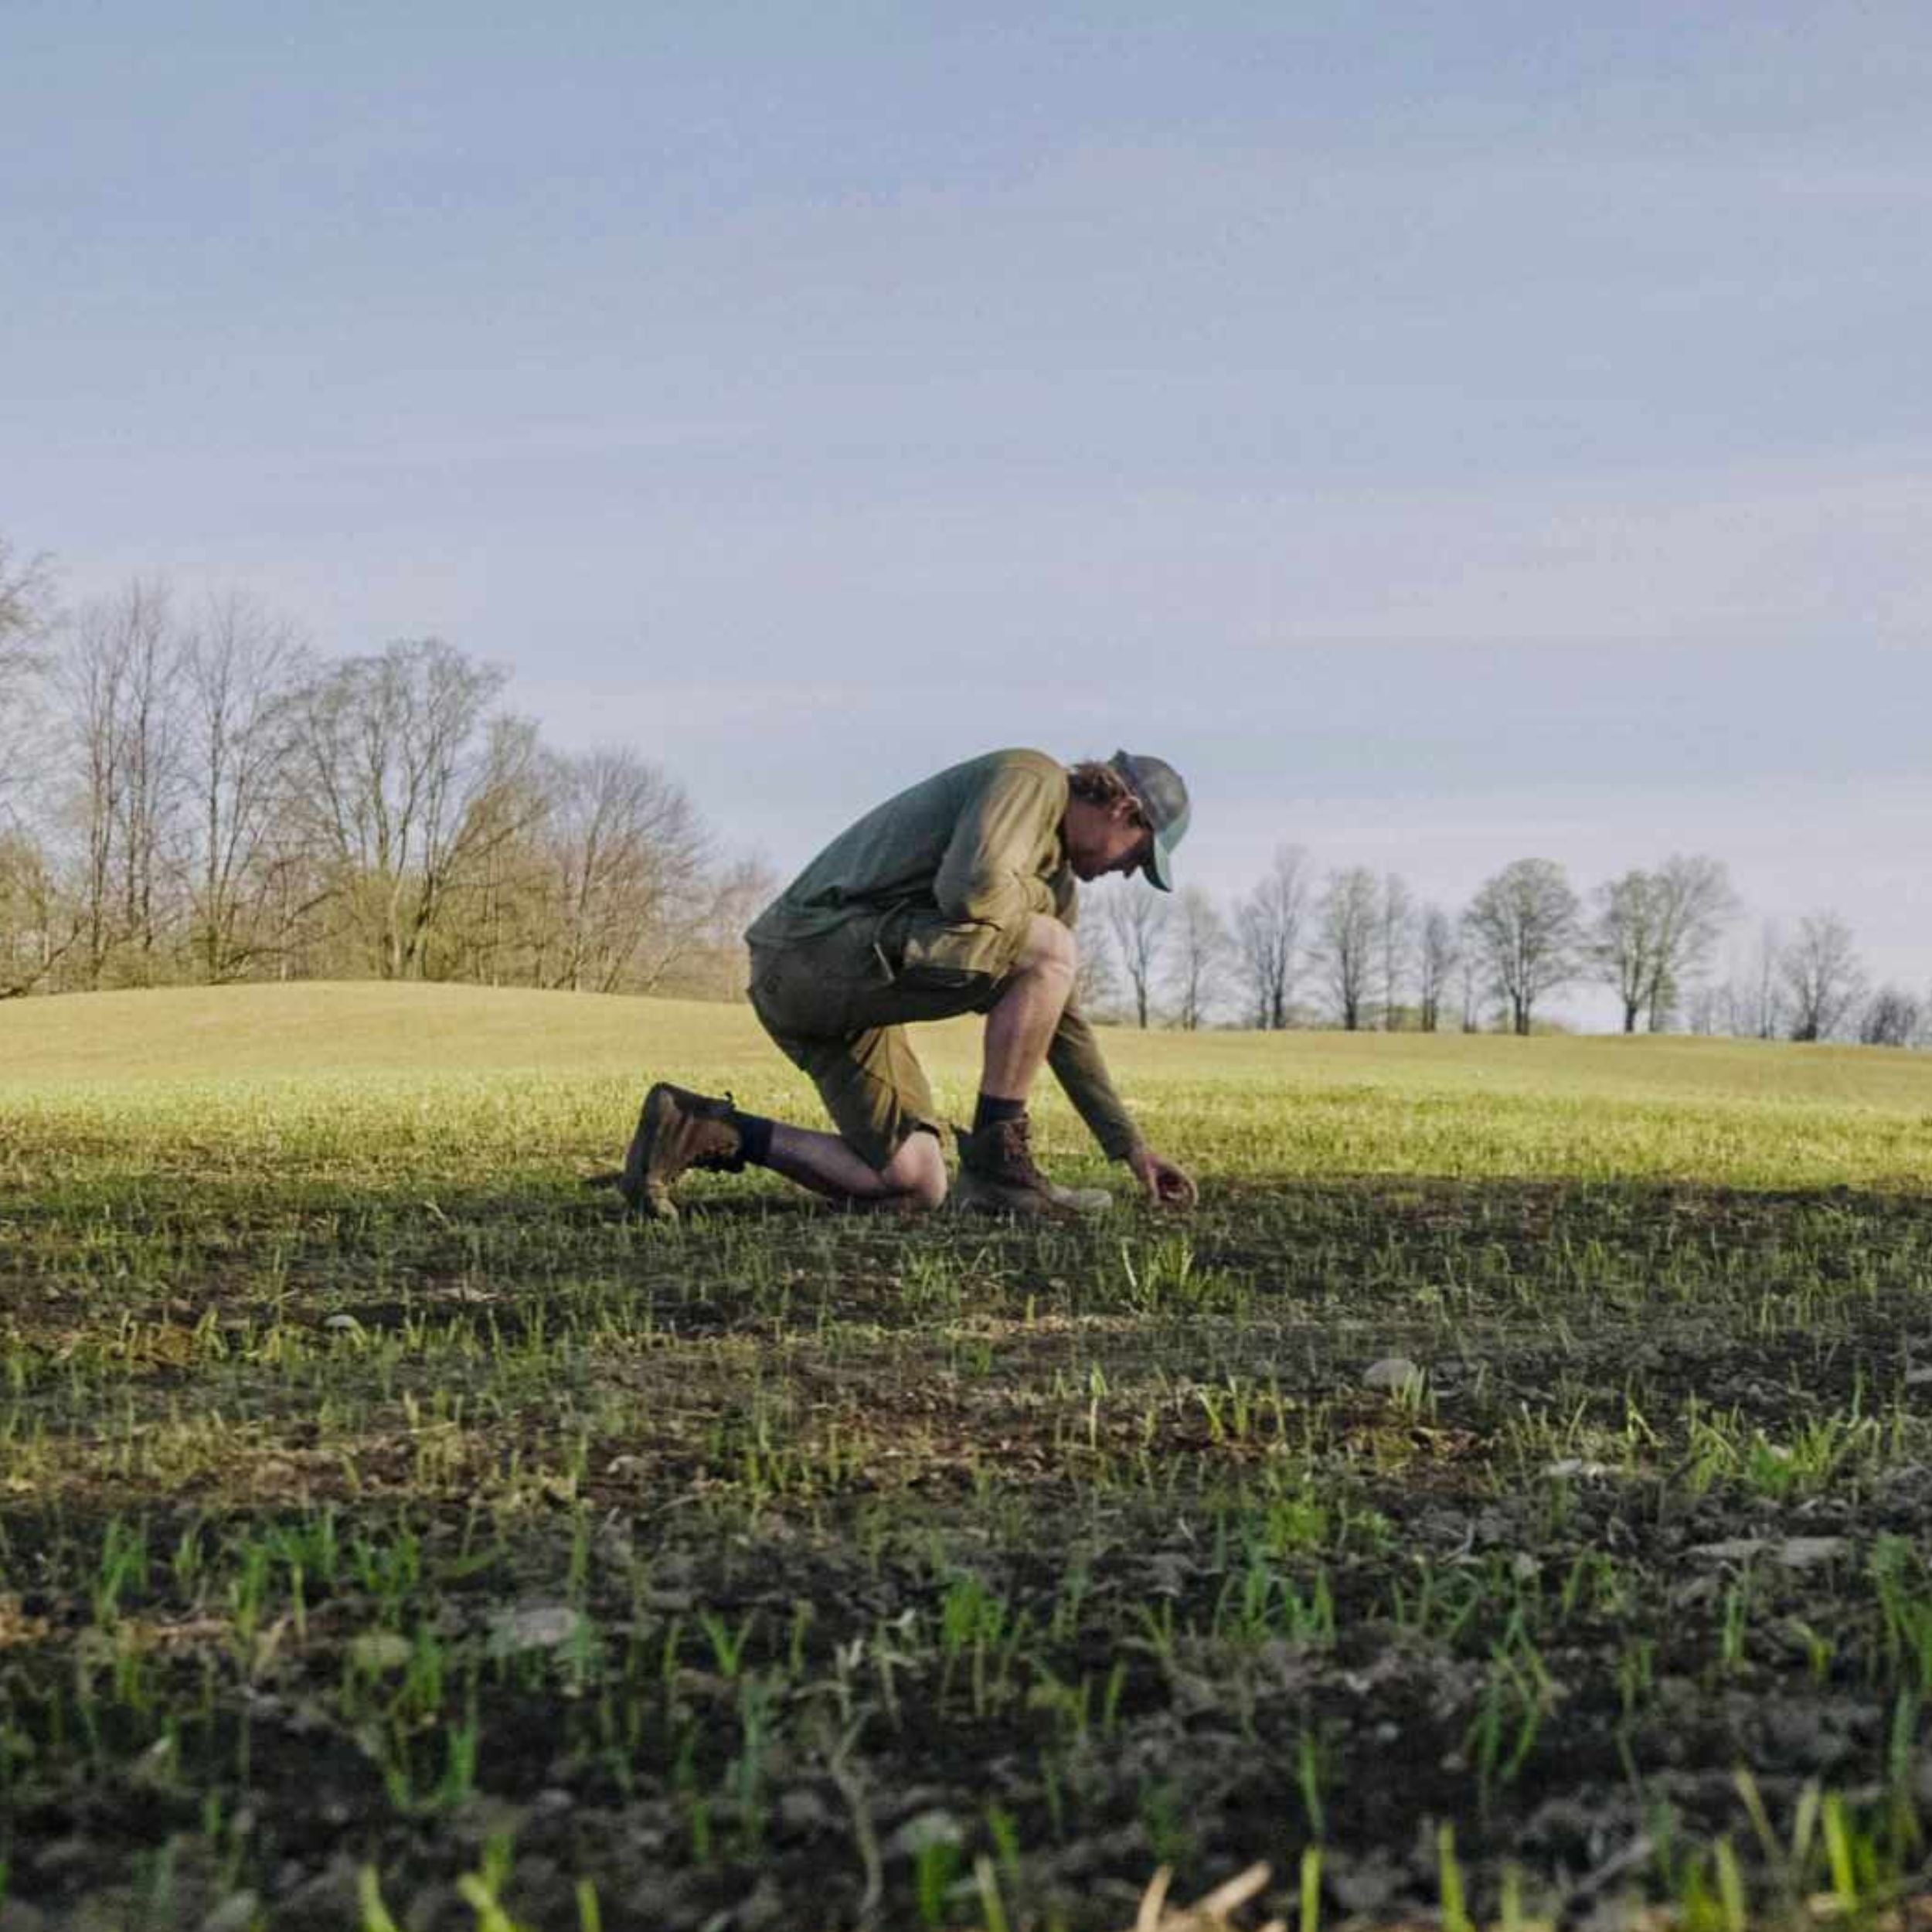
point(1162, 799)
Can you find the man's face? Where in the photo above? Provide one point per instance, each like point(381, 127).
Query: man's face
point(1105, 839)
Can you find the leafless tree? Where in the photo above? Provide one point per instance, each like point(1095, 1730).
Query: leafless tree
point(1136, 923)
point(1346, 941)
point(1525, 924)
point(1394, 945)
point(243, 669)
point(1891, 1017)
point(26, 598)
point(1438, 948)
point(1655, 929)
point(1822, 979)
point(1470, 982)
point(1198, 954)
point(38, 927)
point(119, 678)
point(1695, 903)
point(410, 786)
point(1753, 996)
point(627, 858)
point(1096, 982)
point(1269, 925)
point(1705, 1011)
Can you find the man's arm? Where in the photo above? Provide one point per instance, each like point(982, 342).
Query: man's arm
point(1074, 1056)
point(991, 875)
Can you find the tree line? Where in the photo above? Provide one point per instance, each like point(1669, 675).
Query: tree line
point(193, 793)
point(1356, 949)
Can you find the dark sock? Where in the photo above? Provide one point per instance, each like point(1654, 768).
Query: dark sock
point(754, 1137)
point(990, 1111)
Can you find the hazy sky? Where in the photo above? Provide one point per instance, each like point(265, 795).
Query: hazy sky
point(1446, 433)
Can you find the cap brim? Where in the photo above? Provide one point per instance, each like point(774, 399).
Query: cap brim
point(1158, 869)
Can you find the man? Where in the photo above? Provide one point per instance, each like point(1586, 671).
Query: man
point(957, 896)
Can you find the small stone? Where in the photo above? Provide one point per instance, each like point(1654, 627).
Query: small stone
point(1394, 1373)
point(236, 1913)
point(535, 1627)
point(803, 1812)
point(1790, 1552)
point(1364, 1884)
point(342, 1324)
point(924, 1830)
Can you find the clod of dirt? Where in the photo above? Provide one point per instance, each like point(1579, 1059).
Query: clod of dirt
point(1364, 1884)
point(535, 1627)
point(1393, 1373)
point(924, 1830)
point(236, 1913)
point(1789, 1553)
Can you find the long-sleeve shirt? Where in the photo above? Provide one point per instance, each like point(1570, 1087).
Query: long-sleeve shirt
point(978, 845)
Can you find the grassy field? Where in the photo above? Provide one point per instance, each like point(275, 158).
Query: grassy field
point(1504, 1500)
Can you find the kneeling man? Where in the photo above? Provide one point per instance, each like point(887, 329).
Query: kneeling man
point(956, 896)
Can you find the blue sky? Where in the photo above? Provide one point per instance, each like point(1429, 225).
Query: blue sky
point(1446, 433)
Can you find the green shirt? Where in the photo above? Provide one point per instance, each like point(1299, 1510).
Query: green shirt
point(979, 845)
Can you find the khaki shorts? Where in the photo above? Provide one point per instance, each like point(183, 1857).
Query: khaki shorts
point(838, 1006)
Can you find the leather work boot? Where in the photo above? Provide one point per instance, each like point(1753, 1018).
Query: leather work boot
point(676, 1129)
point(997, 1175)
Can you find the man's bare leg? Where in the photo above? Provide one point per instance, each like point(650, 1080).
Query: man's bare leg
point(1019, 1031)
point(914, 1180)
point(1020, 1028)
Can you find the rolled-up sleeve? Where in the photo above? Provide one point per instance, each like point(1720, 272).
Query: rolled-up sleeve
point(991, 876)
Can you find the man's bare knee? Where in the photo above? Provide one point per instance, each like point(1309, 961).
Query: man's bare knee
point(917, 1174)
point(1049, 948)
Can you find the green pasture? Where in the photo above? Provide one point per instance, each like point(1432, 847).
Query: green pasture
point(1505, 1502)
point(357, 1076)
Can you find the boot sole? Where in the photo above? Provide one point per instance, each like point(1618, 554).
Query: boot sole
point(1025, 1204)
point(644, 1193)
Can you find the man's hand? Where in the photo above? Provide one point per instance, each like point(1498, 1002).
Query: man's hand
point(1161, 1182)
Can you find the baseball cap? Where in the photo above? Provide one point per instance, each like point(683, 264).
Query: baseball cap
point(1162, 799)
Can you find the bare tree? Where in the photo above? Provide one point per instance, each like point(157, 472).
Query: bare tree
point(1822, 979)
point(1891, 1017)
point(1096, 982)
point(1268, 928)
point(1346, 941)
point(1198, 952)
point(1524, 925)
point(243, 669)
point(1754, 993)
point(1655, 929)
point(1469, 983)
point(1695, 902)
point(1438, 948)
point(119, 679)
point(1136, 923)
point(38, 928)
point(26, 596)
point(1623, 940)
point(410, 786)
point(1394, 945)
point(627, 858)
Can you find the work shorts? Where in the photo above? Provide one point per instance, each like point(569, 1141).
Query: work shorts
point(838, 1006)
